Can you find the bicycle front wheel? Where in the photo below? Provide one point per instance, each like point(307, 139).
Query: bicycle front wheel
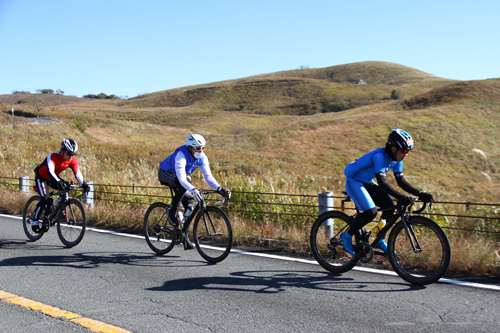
point(71, 223)
point(213, 234)
point(326, 245)
point(29, 216)
point(423, 256)
point(157, 229)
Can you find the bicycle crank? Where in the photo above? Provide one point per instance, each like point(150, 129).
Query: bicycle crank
point(364, 251)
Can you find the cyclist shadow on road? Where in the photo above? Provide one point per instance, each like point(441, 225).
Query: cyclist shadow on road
point(279, 281)
point(98, 259)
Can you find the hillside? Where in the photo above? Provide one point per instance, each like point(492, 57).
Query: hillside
point(372, 72)
point(301, 92)
point(270, 140)
point(47, 99)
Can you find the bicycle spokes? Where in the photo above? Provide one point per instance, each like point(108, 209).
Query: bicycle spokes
point(419, 251)
point(213, 234)
point(157, 230)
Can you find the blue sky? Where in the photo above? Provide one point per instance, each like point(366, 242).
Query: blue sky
point(128, 48)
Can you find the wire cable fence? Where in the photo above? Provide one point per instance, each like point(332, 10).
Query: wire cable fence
point(473, 217)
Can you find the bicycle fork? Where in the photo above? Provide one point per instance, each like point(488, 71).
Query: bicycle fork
point(209, 227)
point(411, 235)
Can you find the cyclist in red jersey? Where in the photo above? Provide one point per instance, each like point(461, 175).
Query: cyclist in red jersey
point(47, 174)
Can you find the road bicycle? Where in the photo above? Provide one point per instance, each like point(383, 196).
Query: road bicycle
point(212, 231)
point(67, 212)
point(418, 248)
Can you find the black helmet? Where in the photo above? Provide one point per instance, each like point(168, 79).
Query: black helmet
point(400, 139)
point(69, 145)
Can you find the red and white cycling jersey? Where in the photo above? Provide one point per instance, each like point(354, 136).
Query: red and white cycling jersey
point(55, 163)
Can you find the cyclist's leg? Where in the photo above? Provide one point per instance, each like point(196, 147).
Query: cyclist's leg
point(361, 197)
point(187, 199)
point(170, 179)
point(42, 187)
point(363, 200)
point(382, 200)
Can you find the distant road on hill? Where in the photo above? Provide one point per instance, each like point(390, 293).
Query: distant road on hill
point(32, 121)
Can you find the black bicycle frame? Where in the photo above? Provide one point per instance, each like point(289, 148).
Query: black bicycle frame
point(404, 213)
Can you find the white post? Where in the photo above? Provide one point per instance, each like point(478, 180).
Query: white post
point(325, 204)
point(88, 197)
point(24, 184)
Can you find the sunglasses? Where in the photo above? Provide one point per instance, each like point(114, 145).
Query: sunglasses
point(404, 151)
point(200, 148)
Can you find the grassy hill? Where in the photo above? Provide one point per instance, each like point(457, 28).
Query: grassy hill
point(301, 92)
point(278, 126)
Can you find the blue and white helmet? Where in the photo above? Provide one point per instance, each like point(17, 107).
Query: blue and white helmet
point(69, 145)
point(195, 140)
point(400, 139)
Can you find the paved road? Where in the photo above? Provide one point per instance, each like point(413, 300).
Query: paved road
point(119, 281)
point(36, 120)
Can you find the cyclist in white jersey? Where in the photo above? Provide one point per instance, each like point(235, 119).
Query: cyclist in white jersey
point(174, 172)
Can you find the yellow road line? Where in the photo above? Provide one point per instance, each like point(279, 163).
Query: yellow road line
point(93, 325)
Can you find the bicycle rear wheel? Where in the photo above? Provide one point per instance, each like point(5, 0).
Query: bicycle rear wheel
point(326, 244)
point(157, 230)
point(213, 234)
point(427, 264)
point(71, 223)
point(29, 215)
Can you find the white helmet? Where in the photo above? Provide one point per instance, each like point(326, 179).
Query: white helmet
point(69, 145)
point(195, 140)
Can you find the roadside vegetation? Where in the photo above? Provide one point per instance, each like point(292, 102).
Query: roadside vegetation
point(287, 132)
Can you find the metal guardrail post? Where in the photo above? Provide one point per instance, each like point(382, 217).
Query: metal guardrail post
point(24, 184)
point(88, 197)
point(325, 204)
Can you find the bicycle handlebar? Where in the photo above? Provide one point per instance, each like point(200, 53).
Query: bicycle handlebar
point(421, 209)
point(224, 198)
point(71, 187)
point(408, 207)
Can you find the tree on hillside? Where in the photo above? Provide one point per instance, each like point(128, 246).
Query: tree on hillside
point(101, 96)
point(59, 92)
point(397, 94)
point(39, 105)
point(45, 91)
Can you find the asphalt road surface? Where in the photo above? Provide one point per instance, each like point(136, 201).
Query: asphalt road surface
point(119, 281)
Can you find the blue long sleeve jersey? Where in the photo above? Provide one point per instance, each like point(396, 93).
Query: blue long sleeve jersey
point(182, 163)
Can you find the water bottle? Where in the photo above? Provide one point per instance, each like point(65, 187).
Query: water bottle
point(180, 216)
point(57, 203)
point(189, 210)
point(377, 228)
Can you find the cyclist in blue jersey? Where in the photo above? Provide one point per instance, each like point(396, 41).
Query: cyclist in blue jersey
point(368, 194)
point(174, 172)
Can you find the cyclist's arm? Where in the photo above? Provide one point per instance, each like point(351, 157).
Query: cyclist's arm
point(180, 171)
point(207, 174)
point(76, 170)
point(384, 185)
point(51, 168)
point(403, 183)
